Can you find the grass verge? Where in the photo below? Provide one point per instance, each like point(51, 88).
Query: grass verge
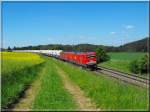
point(16, 83)
point(106, 92)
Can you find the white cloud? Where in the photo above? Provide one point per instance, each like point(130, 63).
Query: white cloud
point(112, 33)
point(128, 27)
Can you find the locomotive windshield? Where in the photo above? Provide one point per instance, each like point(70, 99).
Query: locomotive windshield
point(91, 56)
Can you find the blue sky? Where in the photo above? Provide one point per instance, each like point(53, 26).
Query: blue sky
point(105, 23)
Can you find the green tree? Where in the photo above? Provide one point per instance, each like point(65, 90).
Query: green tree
point(14, 48)
point(101, 55)
point(144, 64)
point(141, 65)
point(9, 49)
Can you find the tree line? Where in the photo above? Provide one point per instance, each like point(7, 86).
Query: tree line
point(137, 46)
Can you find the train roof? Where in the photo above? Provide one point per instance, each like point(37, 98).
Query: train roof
point(81, 53)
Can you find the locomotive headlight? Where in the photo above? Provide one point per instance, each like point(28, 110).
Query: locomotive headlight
point(92, 62)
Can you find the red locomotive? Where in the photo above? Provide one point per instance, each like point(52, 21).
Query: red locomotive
point(85, 59)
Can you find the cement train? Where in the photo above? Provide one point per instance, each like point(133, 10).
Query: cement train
point(84, 59)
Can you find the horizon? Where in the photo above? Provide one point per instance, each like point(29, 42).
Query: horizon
point(98, 23)
point(74, 44)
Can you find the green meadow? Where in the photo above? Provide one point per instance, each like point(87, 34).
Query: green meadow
point(121, 60)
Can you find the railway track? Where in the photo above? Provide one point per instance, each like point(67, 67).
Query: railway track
point(129, 78)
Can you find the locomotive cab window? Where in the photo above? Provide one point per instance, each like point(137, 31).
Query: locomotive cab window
point(91, 56)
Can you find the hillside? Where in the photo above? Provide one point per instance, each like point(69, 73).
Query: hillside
point(140, 45)
point(136, 46)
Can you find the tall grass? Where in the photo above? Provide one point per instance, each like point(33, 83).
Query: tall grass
point(52, 94)
point(106, 92)
point(18, 71)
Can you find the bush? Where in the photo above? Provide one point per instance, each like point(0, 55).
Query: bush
point(134, 66)
point(140, 66)
point(101, 55)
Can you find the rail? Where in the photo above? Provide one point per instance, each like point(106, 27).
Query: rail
point(134, 79)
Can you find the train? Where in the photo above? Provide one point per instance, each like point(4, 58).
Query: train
point(84, 59)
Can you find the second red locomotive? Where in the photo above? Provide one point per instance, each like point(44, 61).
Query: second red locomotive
point(85, 59)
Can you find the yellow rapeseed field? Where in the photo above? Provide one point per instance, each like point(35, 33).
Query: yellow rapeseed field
point(14, 61)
